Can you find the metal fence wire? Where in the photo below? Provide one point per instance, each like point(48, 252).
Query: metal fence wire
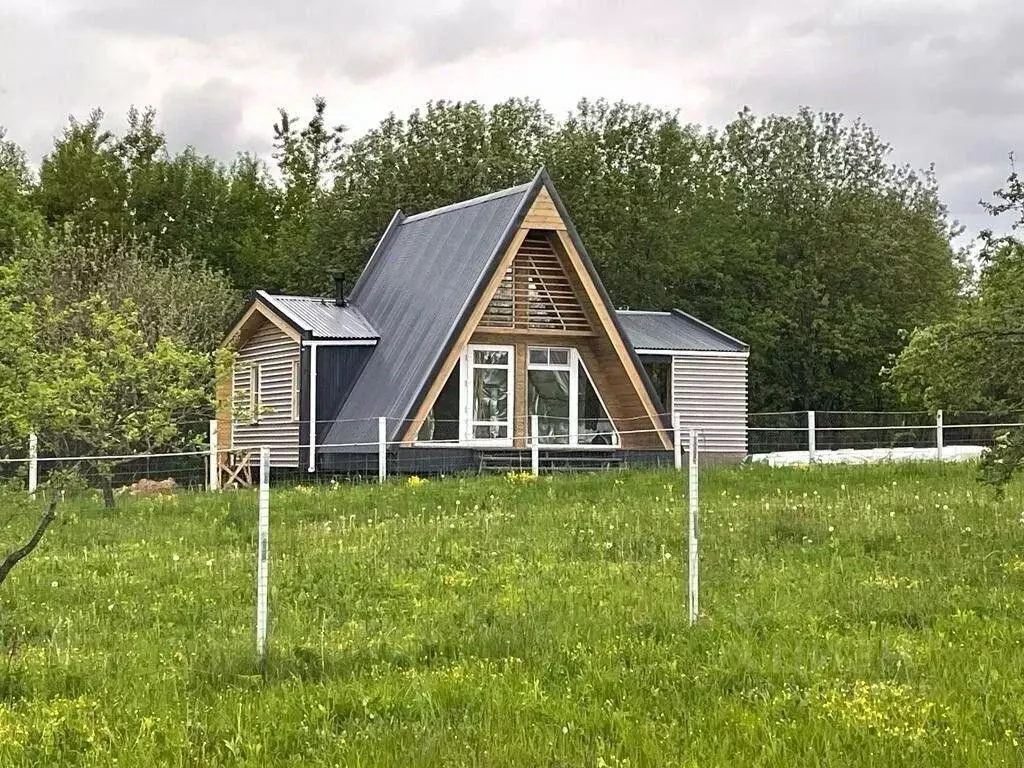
point(386, 449)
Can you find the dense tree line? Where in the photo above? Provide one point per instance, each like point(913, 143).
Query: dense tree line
point(973, 360)
point(795, 233)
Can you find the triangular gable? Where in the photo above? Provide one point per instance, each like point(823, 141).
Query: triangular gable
point(537, 292)
point(254, 314)
point(542, 231)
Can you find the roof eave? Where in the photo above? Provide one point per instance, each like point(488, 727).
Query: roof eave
point(396, 221)
point(264, 299)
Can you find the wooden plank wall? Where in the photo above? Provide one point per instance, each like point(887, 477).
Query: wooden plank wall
point(709, 392)
point(276, 354)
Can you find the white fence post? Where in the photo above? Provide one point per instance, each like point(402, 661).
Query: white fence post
point(535, 444)
point(382, 449)
point(33, 463)
point(812, 430)
point(693, 530)
point(262, 557)
point(939, 437)
point(214, 478)
point(678, 447)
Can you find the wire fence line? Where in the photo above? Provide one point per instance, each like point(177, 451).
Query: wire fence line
point(811, 436)
point(793, 435)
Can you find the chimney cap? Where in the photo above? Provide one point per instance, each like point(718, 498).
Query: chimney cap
point(339, 290)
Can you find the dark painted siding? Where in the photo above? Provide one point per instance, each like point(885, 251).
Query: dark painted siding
point(337, 369)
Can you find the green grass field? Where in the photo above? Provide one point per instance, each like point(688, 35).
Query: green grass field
point(851, 617)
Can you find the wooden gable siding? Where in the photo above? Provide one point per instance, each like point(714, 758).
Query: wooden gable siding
point(709, 393)
point(277, 356)
point(536, 293)
point(607, 357)
point(543, 214)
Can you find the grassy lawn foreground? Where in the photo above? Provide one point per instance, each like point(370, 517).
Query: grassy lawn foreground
point(852, 616)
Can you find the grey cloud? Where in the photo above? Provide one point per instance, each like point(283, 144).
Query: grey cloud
point(941, 80)
point(356, 39)
point(209, 117)
point(49, 72)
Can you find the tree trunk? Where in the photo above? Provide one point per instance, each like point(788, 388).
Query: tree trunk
point(107, 486)
point(17, 555)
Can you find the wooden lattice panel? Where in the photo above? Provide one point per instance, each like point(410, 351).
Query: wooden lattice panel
point(536, 293)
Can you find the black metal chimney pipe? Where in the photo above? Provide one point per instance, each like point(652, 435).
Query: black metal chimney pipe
point(339, 291)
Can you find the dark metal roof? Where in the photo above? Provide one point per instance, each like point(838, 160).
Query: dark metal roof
point(417, 290)
point(321, 318)
point(675, 330)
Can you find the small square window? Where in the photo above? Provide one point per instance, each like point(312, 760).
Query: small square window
point(539, 355)
point(558, 356)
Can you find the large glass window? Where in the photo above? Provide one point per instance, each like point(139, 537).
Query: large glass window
point(659, 369)
point(562, 396)
point(595, 428)
point(442, 422)
point(490, 387)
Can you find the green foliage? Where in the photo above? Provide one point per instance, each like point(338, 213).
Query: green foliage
point(17, 360)
point(92, 379)
point(103, 388)
point(794, 233)
point(174, 293)
point(852, 616)
point(19, 220)
point(974, 360)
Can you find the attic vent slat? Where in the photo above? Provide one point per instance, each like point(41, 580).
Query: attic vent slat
point(536, 293)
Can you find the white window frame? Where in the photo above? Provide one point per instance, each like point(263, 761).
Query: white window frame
point(573, 367)
point(296, 390)
point(255, 391)
point(468, 369)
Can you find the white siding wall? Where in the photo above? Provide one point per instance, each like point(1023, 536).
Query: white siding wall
point(709, 392)
point(276, 355)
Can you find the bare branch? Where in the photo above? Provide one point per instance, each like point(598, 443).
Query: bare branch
point(21, 553)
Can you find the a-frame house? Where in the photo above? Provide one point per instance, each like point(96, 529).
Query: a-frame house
point(471, 326)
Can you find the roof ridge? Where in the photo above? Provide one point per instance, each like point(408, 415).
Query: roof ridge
point(518, 189)
point(304, 297)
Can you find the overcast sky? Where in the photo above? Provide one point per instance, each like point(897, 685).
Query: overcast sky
point(941, 80)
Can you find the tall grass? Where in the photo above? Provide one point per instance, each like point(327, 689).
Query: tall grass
point(852, 616)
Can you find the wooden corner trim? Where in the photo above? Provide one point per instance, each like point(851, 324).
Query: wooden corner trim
point(609, 328)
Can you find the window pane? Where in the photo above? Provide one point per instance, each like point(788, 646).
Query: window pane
point(548, 393)
point(490, 357)
point(595, 426)
point(490, 431)
point(661, 378)
point(442, 423)
point(539, 355)
point(490, 394)
point(558, 356)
